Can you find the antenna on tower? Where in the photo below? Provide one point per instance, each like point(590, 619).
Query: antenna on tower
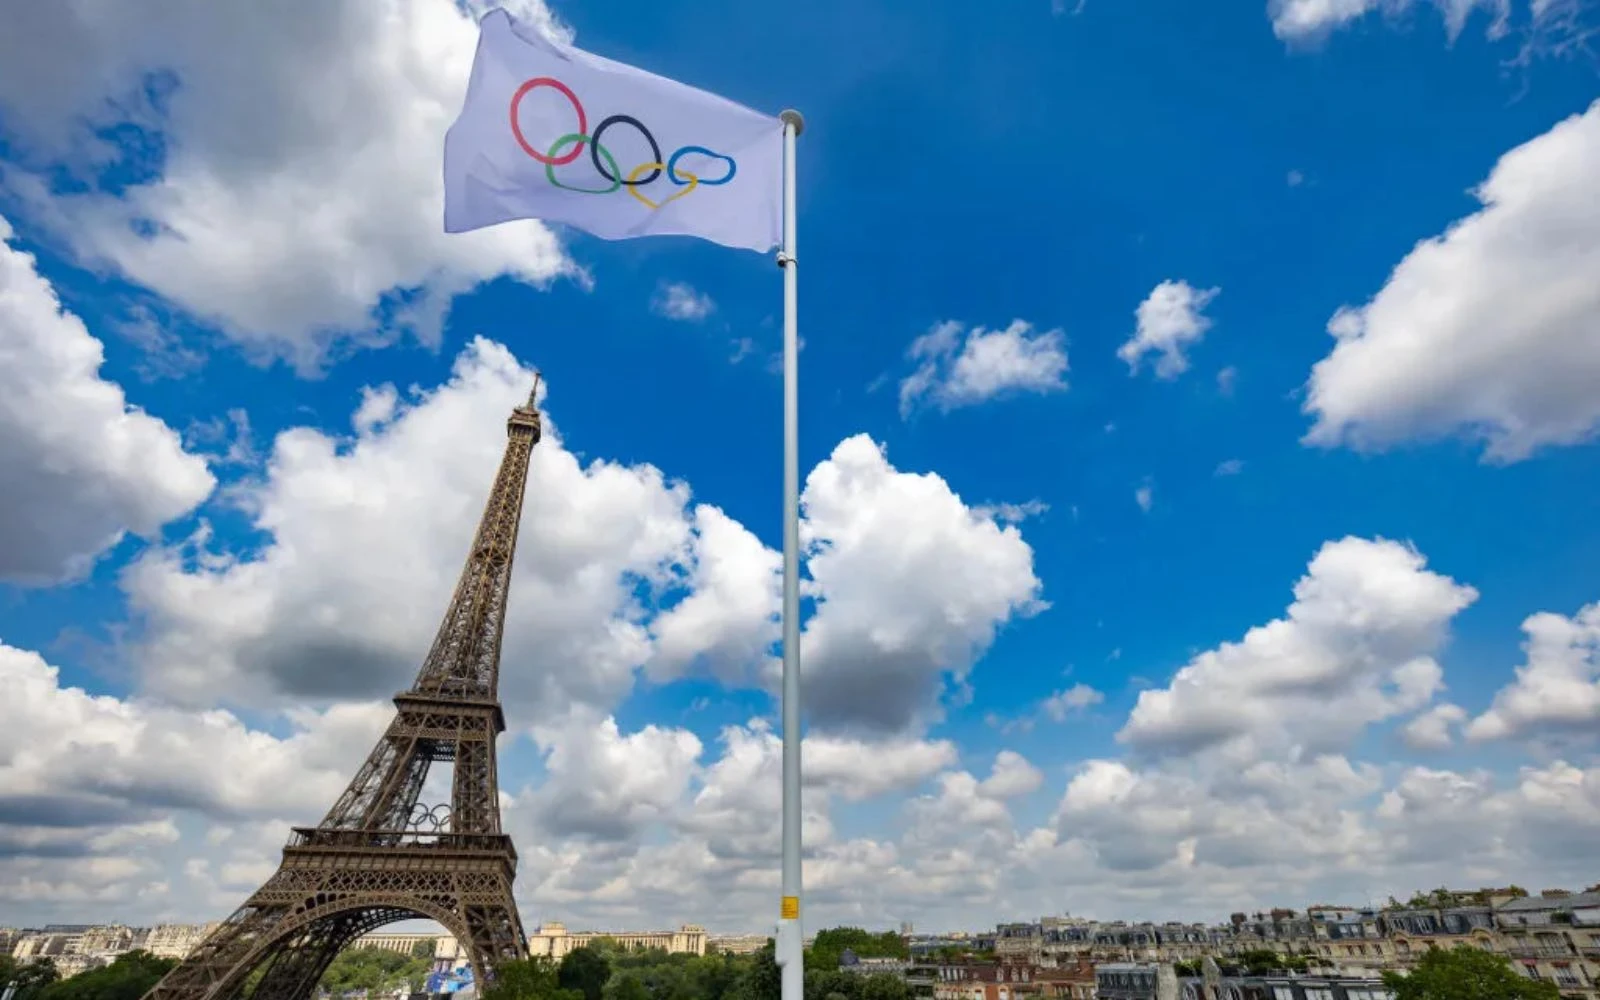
point(533, 394)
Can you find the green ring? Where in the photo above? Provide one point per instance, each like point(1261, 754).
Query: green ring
point(579, 137)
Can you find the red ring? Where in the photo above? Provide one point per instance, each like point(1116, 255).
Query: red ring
point(516, 127)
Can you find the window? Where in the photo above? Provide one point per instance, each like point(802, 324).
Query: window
point(1322, 994)
point(1282, 993)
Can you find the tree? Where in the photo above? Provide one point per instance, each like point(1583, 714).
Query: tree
point(423, 949)
point(1263, 961)
point(1465, 973)
point(761, 978)
point(885, 986)
point(627, 986)
point(528, 979)
point(823, 983)
point(372, 969)
point(831, 943)
point(710, 977)
point(584, 970)
point(128, 978)
point(32, 979)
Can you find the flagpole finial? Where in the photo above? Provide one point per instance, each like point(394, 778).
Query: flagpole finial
point(792, 117)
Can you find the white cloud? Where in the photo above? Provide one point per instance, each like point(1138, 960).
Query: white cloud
point(301, 181)
point(1012, 513)
point(1145, 496)
point(862, 769)
point(366, 537)
point(1430, 730)
point(956, 370)
point(1011, 777)
point(728, 620)
point(1229, 467)
point(657, 833)
point(1295, 178)
point(1073, 699)
point(1226, 379)
point(1311, 20)
point(679, 300)
point(1170, 321)
point(911, 583)
point(129, 760)
point(603, 784)
point(1490, 330)
point(1354, 648)
point(78, 465)
point(1557, 690)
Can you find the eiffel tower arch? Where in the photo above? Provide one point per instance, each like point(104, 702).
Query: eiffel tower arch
point(381, 854)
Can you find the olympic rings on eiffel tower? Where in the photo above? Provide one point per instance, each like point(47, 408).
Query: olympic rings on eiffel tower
point(611, 176)
point(426, 819)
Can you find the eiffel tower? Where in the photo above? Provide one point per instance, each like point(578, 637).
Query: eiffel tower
point(380, 854)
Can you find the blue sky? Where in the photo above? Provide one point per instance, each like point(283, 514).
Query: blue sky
point(1047, 707)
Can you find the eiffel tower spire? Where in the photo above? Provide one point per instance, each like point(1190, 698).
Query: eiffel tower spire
point(381, 854)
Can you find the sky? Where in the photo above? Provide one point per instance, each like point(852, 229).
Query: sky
point(1198, 455)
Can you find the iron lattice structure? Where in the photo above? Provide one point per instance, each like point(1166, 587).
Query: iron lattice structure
point(381, 854)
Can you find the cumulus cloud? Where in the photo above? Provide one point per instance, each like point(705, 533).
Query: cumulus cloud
point(1357, 646)
point(649, 827)
point(1430, 730)
point(79, 465)
point(958, 367)
point(1011, 777)
point(1076, 698)
point(1170, 321)
point(911, 587)
point(604, 784)
point(289, 204)
point(1490, 330)
point(679, 300)
point(728, 620)
point(1557, 690)
point(614, 570)
point(132, 763)
point(365, 537)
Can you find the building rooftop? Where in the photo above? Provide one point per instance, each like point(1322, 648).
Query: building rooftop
point(1570, 901)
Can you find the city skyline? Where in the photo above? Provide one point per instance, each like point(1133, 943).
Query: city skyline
point(1201, 522)
point(1296, 909)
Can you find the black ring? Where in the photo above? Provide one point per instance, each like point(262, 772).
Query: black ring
point(594, 149)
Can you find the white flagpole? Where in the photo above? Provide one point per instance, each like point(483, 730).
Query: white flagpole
point(790, 949)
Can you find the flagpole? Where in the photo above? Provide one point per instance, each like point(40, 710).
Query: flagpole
point(790, 949)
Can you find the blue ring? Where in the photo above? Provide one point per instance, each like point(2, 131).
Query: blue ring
point(672, 166)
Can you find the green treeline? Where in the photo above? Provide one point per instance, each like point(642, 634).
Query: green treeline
point(127, 978)
point(603, 972)
point(377, 970)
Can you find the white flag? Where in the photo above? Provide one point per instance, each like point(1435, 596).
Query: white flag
point(555, 133)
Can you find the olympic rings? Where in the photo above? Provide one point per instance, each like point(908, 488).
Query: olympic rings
point(580, 139)
point(672, 165)
point(694, 182)
point(604, 163)
point(516, 126)
point(655, 150)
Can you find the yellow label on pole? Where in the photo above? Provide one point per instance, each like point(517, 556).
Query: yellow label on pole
point(791, 908)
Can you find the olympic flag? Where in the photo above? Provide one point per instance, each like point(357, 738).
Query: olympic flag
point(551, 132)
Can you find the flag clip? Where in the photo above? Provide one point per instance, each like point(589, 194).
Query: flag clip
point(785, 259)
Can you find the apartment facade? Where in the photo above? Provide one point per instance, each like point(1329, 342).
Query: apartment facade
point(553, 940)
